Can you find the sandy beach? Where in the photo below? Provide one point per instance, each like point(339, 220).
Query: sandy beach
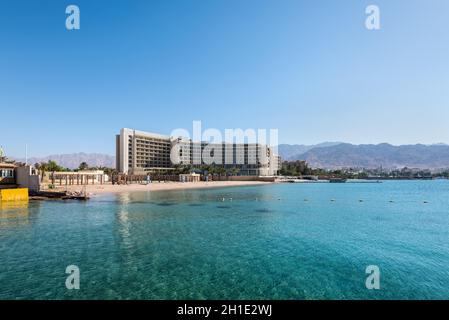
point(98, 189)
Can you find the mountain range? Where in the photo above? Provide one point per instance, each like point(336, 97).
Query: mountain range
point(343, 155)
point(329, 155)
point(73, 160)
point(294, 151)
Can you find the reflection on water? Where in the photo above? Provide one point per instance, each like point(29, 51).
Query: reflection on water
point(124, 198)
point(122, 214)
point(233, 243)
point(13, 213)
point(8, 205)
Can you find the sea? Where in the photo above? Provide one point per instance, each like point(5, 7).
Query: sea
point(275, 241)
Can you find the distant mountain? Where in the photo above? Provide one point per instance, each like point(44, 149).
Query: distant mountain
point(73, 160)
point(294, 151)
point(374, 156)
point(331, 155)
point(439, 144)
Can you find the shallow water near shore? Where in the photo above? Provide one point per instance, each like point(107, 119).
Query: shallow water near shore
point(277, 241)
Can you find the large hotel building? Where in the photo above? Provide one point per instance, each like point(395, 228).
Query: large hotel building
point(139, 152)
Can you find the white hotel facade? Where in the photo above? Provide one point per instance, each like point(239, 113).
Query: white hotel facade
point(140, 152)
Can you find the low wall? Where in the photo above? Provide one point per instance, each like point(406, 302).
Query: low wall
point(244, 178)
point(14, 194)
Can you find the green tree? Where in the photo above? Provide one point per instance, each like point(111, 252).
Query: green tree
point(221, 170)
point(42, 168)
point(53, 166)
point(295, 168)
point(83, 166)
point(235, 171)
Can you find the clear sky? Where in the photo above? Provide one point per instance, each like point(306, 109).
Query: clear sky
point(309, 68)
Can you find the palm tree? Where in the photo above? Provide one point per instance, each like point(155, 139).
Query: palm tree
point(221, 171)
point(83, 166)
point(41, 167)
point(235, 171)
point(2, 154)
point(52, 166)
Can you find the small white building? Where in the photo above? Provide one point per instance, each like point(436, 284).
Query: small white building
point(27, 177)
point(78, 177)
point(189, 177)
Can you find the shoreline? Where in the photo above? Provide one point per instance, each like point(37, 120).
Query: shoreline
point(97, 189)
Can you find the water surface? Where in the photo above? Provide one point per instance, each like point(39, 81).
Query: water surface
point(282, 241)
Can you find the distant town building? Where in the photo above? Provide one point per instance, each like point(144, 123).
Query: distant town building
point(139, 152)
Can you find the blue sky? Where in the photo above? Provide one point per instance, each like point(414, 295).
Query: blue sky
point(309, 68)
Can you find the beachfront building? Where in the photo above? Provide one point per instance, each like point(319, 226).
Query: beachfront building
point(15, 175)
point(7, 174)
point(139, 152)
point(82, 177)
point(7, 170)
point(190, 177)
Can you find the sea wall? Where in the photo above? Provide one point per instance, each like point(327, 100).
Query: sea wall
point(14, 194)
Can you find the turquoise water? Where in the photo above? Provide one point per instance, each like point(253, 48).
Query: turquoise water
point(283, 241)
